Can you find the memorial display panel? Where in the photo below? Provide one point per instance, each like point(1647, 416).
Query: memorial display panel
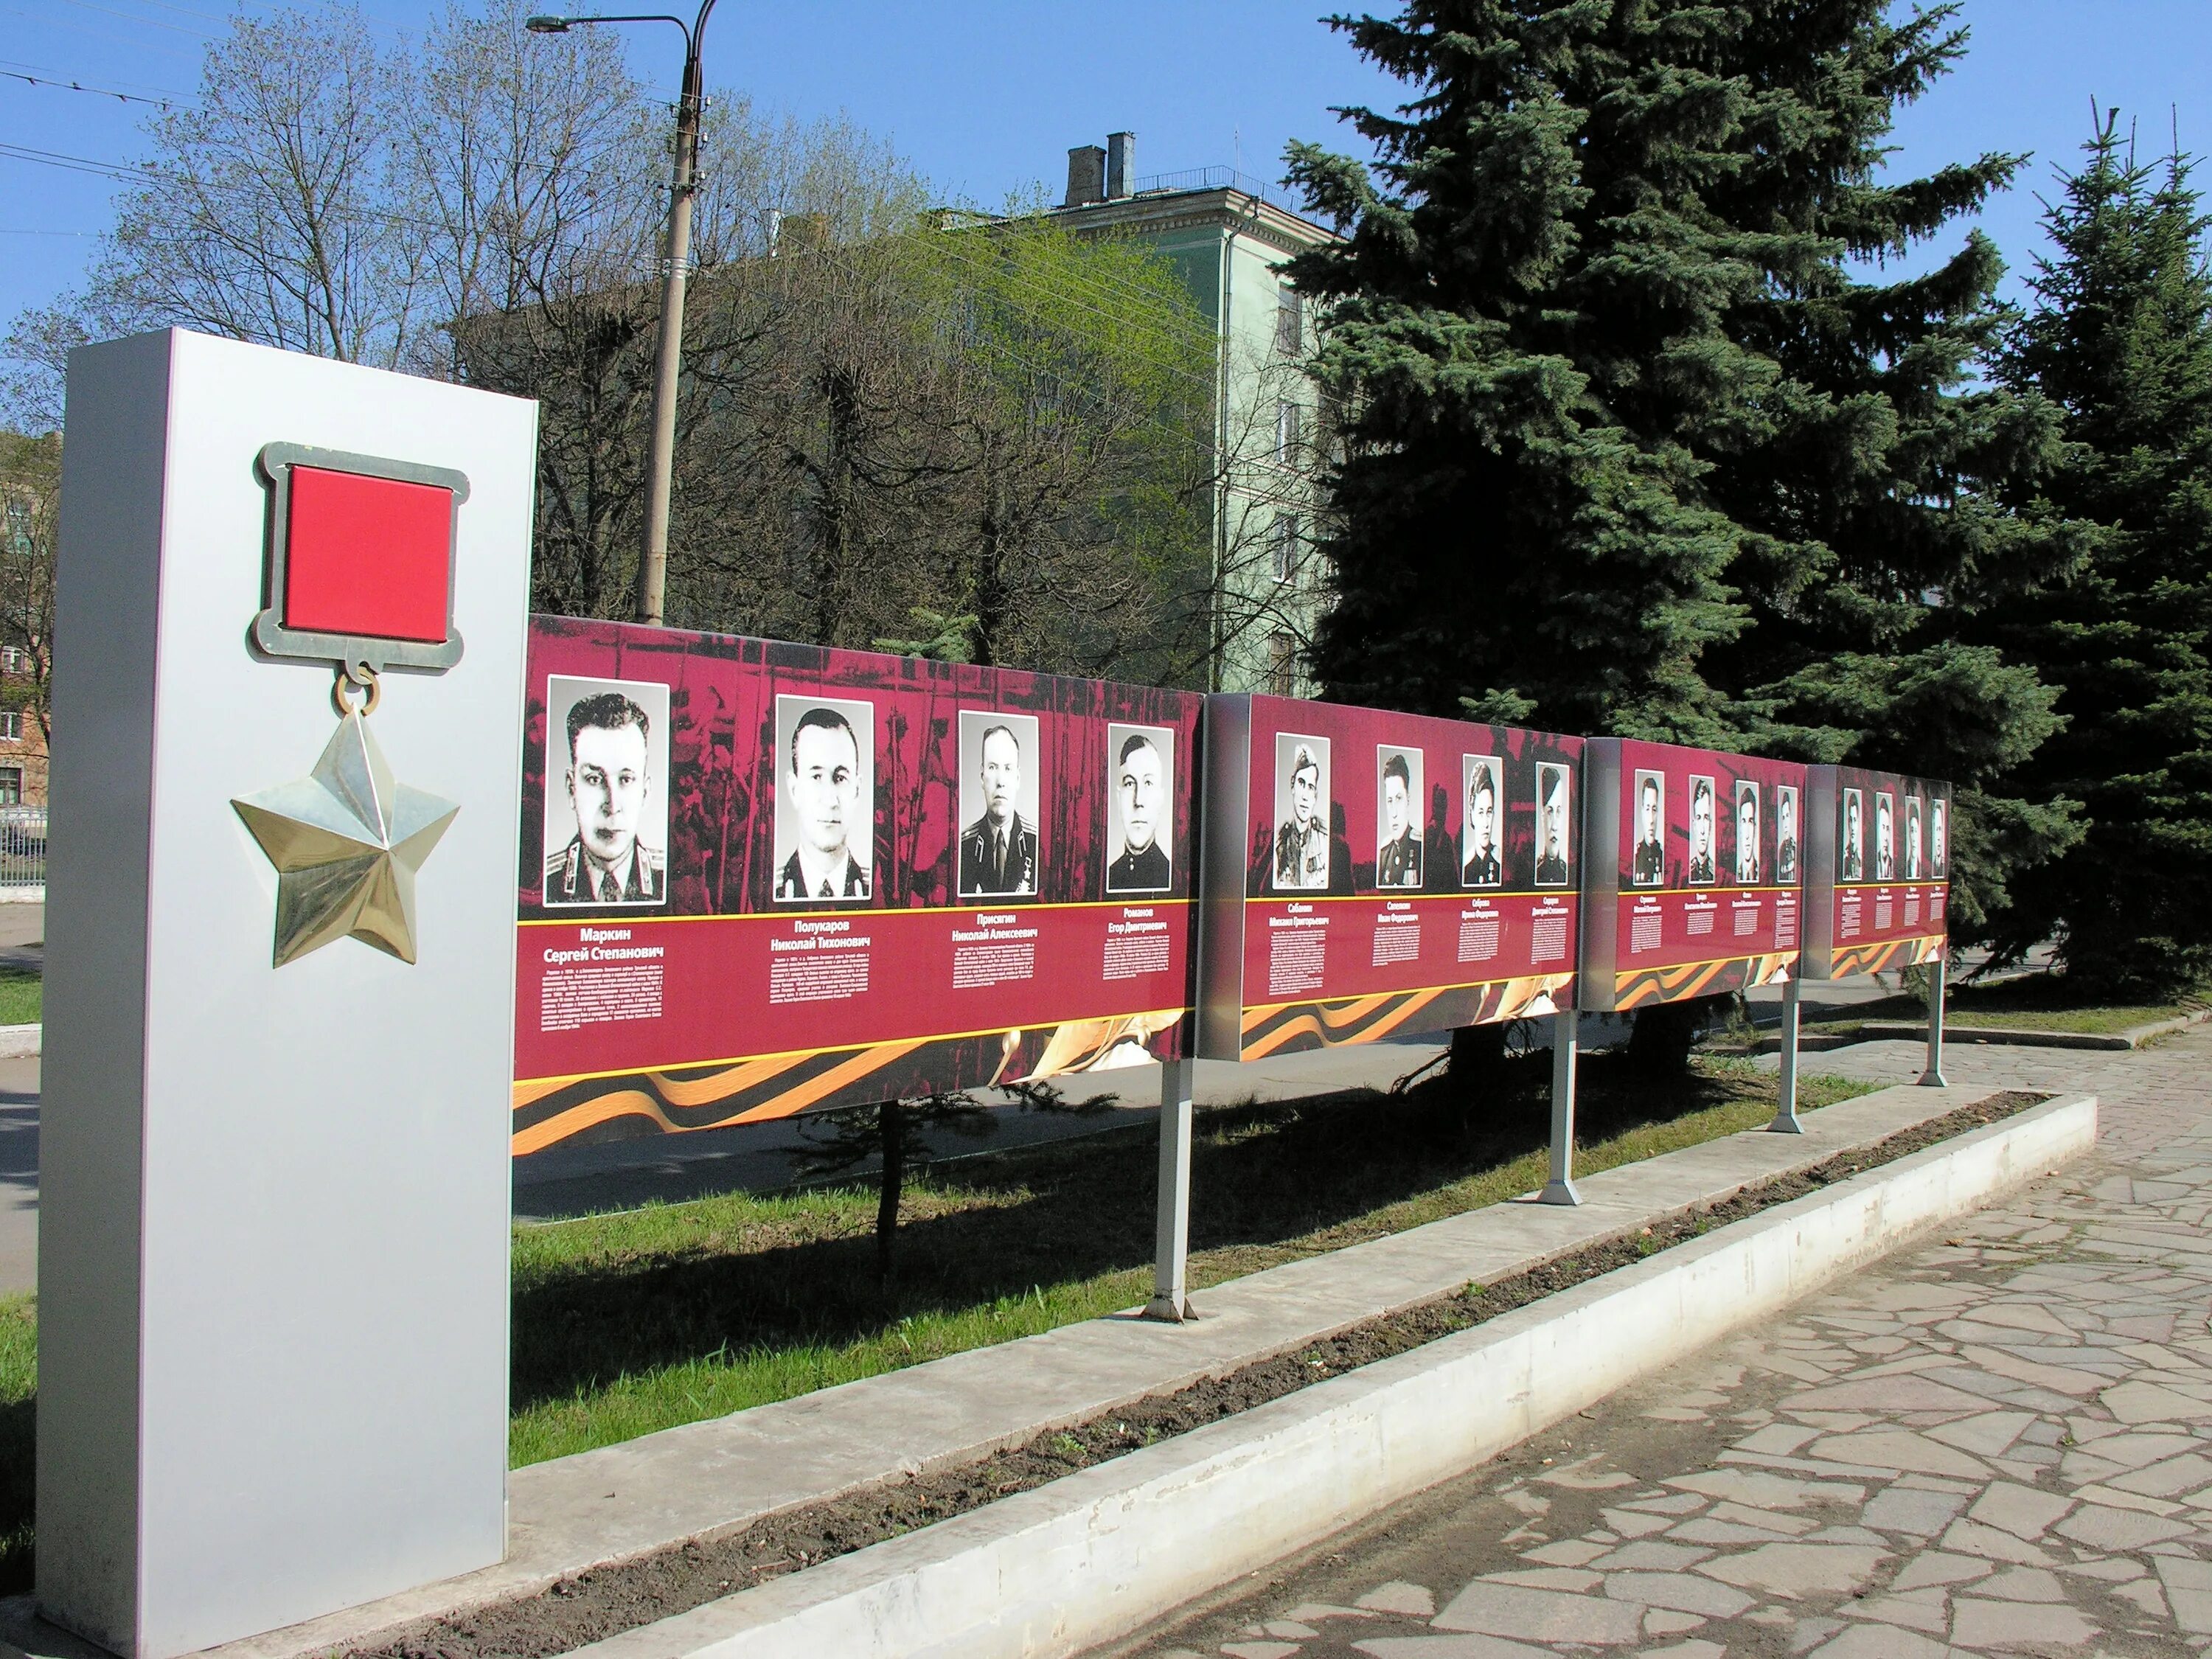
point(1880, 895)
point(760, 879)
point(1698, 870)
point(1371, 874)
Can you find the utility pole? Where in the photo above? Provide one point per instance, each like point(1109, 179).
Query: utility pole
point(668, 360)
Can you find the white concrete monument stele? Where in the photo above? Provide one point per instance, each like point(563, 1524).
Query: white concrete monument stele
point(279, 1004)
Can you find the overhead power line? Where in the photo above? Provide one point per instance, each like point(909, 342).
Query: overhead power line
point(49, 72)
point(78, 86)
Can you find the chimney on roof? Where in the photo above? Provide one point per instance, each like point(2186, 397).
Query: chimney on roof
point(1121, 165)
point(1086, 175)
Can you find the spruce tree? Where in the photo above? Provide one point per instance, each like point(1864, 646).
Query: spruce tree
point(2120, 338)
point(1637, 442)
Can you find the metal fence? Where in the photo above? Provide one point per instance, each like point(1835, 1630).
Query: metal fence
point(22, 846)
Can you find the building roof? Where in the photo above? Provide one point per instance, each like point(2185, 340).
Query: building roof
point(1173, 207)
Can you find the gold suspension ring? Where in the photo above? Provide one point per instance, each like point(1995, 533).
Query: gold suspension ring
point(365, 681)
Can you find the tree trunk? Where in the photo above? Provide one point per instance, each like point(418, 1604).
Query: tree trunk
point(1659, 1044)
point(1478, 1055)
point(891, 1117)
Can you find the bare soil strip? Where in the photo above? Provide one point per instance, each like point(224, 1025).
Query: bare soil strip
point(604, 1602)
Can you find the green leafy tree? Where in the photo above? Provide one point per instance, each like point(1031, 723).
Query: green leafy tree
point(1636, 442)
point(2120, 338)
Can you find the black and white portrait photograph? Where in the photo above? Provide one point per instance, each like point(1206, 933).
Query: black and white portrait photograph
point(825, 792)
point(1785, 834)
point(1302, 805)
point(1704, 848)
point(606, 783)
point(1913, 838)
point(1481, 865)
point(1937, 869)
point(998, 816)
point(1648, 865)
point(1885, 836)
point(1747, 834)
point(1555, 818)
point(1851, 853)
point(1140, 808)
point(1398, 816)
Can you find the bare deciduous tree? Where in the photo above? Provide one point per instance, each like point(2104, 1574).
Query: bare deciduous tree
point(30, 524)
point(888, 412)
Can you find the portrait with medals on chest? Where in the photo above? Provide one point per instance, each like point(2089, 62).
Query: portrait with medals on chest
point(607, 805)
point(999, 786)
point(1302, 813)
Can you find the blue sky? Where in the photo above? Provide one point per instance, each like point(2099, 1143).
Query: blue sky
point(986, 96)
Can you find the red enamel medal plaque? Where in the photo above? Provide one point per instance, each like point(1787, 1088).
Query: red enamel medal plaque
point(360, 560)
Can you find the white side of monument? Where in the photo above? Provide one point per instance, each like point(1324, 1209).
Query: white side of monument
point(274, 1201)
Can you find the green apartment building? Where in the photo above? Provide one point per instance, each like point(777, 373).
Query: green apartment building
point(1227, 240)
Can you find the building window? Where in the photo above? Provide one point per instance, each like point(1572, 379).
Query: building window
point(1287, 420)
point(11, 726)
point(1282, 665)
point(1289, 321)
point(13, 657)
point(1282, 547)
point(11, 786)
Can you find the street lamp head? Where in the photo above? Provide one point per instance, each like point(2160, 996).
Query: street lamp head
point(547, 25)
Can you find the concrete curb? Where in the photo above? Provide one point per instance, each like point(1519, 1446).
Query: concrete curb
point(1889, 1030)
point(1096, 1555)
point(19, 1041)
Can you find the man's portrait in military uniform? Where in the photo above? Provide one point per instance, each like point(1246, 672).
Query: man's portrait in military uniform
point(1648, 866)
point(1480, 865)
point(1785, 831)
point(1913, 838)
point(1553, 805)
point(824, 800)
point(997, 805)
point(1937, 869)
point(1851, 855)
point(1301, 812)
point(1747, 834)
point(1885, 837)
point(1703, 873)
point(1140, 808)
point(606, 822)
point(1398, 797)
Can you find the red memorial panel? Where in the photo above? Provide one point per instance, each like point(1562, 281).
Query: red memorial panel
point(1882, 897)
point(1390, 873)
point(1706, 859)
point(760, 879)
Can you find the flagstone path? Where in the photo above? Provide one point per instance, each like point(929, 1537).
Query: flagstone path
point(2001, 1444)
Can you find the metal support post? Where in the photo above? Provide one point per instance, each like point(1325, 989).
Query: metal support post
point(1785, 1110)
point(1933, 1076)
point(1560, 1189)
point(1171, 1243)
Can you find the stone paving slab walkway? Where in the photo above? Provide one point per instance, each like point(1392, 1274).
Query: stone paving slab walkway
point(1998, 1445)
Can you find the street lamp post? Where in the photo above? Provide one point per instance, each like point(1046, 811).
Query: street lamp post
point(660, 463)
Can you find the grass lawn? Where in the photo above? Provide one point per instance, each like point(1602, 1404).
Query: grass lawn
point(630, 1322)
point(21, 992)
point(2037, 1002)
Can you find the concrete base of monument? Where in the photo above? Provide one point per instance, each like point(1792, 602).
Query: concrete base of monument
point(1088, 1557)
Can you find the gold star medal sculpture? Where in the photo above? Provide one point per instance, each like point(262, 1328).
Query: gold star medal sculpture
point(360, 563)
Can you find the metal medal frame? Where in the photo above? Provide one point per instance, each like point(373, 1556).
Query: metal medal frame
point(360, 658)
